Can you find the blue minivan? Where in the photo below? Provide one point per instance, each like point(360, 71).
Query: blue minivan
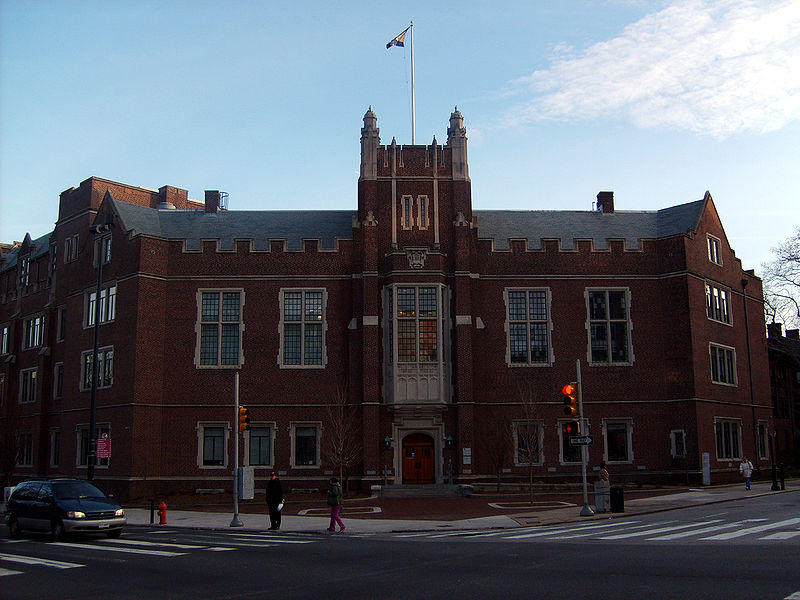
point(61, 506)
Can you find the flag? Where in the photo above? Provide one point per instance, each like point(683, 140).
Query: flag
point(399, 40)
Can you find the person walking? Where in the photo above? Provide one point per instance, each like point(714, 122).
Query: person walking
point(335, 502)
point(274, 501)
point(746, 469)
point(603, 489)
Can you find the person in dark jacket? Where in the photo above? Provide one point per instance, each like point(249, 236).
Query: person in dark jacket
point(274, 501)
point(335, 502)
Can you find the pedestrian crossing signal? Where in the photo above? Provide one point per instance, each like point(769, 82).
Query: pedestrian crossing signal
point(572, 428)
point(244, 419)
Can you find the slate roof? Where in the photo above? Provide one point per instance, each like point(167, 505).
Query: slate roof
point(227, 226)
point(536, 225)
point(41, 247)
point(329, 225)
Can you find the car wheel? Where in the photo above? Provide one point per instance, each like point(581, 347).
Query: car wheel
point(115, 533)
point(57, 530)
point(13, 529)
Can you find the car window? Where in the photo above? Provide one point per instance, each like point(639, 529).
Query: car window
point(46, 493)
point(71, 490)
point(27, 490)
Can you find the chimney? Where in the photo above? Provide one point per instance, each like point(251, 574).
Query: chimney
point(171, 197)
point(605, 202)
point(793, 334)
point(212, 201)
point(774, 330)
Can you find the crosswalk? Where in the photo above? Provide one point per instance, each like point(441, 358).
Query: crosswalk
point(707, 531)
point(12, 562)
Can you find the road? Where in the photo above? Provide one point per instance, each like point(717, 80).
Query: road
point(734, 550)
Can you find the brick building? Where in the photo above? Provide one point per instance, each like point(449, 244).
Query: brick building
point(414, 338)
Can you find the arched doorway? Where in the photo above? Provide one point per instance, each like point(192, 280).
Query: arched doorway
point(418, 463)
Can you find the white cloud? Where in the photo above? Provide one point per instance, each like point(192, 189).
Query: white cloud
point(716, 68)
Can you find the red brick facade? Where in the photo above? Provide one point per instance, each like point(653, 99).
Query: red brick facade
point(414, 309)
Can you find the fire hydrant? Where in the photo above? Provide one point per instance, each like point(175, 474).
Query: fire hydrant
point(162, 513)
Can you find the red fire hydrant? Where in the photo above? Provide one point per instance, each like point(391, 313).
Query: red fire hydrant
point(162, 513)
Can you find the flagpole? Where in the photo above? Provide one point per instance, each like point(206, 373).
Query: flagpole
point(413, 98)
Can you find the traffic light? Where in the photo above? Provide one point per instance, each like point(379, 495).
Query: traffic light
point(244, 419)
point(570, 392)
point(572, 428)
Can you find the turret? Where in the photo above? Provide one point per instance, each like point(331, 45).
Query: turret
point(370, 139)
point(457, 141)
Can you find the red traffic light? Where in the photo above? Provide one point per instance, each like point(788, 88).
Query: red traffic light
point(572, 428)
point(570, 392)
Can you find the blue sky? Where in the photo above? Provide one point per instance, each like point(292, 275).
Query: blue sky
point(658, 101)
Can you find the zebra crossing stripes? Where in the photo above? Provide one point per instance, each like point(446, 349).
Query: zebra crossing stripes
point(646, 532)
point(751, 530)
point(33, 560)
point(683, 534)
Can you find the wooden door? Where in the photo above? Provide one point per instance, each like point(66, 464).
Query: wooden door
point(418, 464)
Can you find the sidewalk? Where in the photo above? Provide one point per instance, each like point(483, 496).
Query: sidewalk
point(508, 515)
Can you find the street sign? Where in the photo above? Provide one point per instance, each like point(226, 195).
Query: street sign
point(580, 440)
point(104, 447)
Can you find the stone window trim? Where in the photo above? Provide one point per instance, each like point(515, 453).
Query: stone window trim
point(723, 369)
point(677, 443)
point(25, 449)
point(628, 422)
point(105, 365)
point(293, 427)
point(28, 385)
point(34, 332)
point(713, 246)
point(108, 305)
point(728, 438)
point(200, 429)
point(272, 426)
point(5, 339)
point(305, 361)
point(718, 303)
point(547, 321)
point(199, 323)
point(609, 321)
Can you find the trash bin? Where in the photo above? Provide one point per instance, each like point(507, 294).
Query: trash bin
point(617, 499)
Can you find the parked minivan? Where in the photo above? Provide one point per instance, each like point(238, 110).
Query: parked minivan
point(61, 506)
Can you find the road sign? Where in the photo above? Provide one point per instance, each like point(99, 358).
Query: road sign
point(580, 440)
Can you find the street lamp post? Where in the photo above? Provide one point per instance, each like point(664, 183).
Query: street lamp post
point(91, 457)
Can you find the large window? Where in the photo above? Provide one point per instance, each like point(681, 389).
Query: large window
point(302, 328)
point(29, 383)
point(260, 445)
point(618, 441)
point(416, 322)
point(723, 364)
point(528, 327)
point(717, 304)
point(105, 368)
point(108, 305)
point(677, 443)
point(34, 332)
point(729, 438)
point(305, 445)
point(58, 380)
point(609, 326)
point(220, 328)
point(212, 445)
point(55, 447)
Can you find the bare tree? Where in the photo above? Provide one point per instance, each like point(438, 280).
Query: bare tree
point(526, 434)
point(782, 283)
point(340, 446)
